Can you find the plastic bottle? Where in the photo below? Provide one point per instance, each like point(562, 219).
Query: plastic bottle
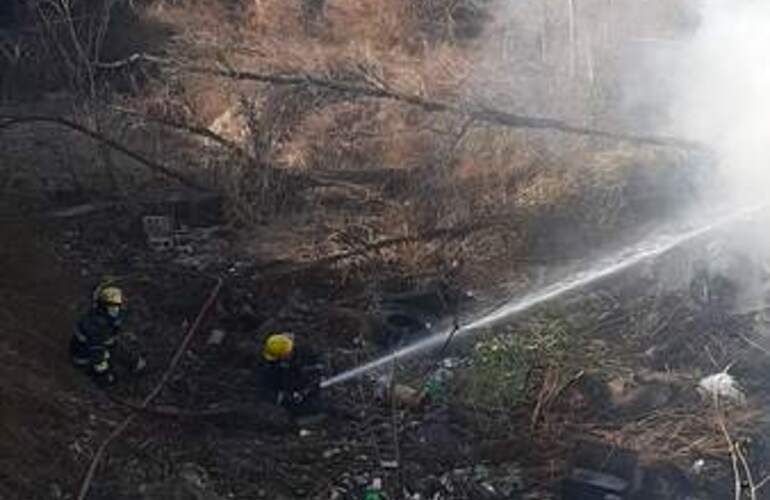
point(374, 491)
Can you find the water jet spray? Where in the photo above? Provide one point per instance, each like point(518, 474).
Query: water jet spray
point(647, 249)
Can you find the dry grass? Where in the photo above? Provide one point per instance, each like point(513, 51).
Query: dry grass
point(399, 24)
point(678, 435)
point(456, 173)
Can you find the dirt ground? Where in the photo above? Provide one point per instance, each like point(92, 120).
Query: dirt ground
point(44, 410)
point(207, 424)
point(209, 436)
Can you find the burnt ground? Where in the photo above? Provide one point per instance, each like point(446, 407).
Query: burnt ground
point(44, 408)
point(209, 418)
point(623, 382)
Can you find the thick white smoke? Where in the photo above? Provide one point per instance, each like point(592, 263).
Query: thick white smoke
point(721, 92)
point(719, 95)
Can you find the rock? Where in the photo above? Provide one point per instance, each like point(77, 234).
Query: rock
point(56, 491)
point(331, 453)
point(644, 399)
point(216, 337)
point(480, 472)
point(617, 387)
point(598, 469)
point(592, 479)
point(595, 393)
point(194, 474)
point(490, 489)
point(407, 396)
point(231, 125)
point(664, 482)
point(429, 485)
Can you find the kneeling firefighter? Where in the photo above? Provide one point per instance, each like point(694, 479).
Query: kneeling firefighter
point(292, 374)
point(94, 344)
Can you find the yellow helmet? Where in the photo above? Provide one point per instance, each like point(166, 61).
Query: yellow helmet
point(110, 295)
point(278, 346)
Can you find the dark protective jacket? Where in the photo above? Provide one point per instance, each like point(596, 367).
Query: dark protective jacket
point(95, 336)
point(299, 374)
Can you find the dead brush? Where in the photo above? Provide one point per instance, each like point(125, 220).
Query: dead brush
point(380, 25)
point(338, 136)
point(677, 434)
point(255, 189)
point(265, 17)
point(381, 40)
point(449, 20)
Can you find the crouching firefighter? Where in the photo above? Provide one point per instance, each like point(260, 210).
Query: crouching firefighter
point(95, 343)
point(292, 375)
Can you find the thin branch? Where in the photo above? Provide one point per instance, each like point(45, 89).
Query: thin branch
point(455, 232)
point(747, 472)
point(752, 343)
point(737, 458)
point(762, 483)
point(478, 112)
point(192, 129)
point(100, 453)
point(13, 120)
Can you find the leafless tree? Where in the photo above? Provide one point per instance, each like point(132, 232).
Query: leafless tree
point(76, 30)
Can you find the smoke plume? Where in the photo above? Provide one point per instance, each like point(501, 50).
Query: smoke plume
point(721, 93)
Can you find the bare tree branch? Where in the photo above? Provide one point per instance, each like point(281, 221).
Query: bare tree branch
point(477, 112)
point(7, 121)
point(192, 129)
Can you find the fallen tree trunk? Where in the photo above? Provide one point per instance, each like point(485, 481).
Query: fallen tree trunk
point(7, 121)
point(475, 112)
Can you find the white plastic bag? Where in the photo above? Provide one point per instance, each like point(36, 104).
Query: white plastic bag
point(722, 385)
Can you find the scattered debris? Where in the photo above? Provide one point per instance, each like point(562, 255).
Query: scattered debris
point(586, 484)
point(406, 396)
point(697, 466)
point(159, 232)
point(374, 491)
point(190, 482)
point(331, 453)
point(643, 399)
point(722, 385)
point(216, 337)
point(80, 210)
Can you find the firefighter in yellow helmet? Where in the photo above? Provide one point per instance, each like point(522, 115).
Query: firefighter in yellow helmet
point(95, 340)
point(291, 374)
